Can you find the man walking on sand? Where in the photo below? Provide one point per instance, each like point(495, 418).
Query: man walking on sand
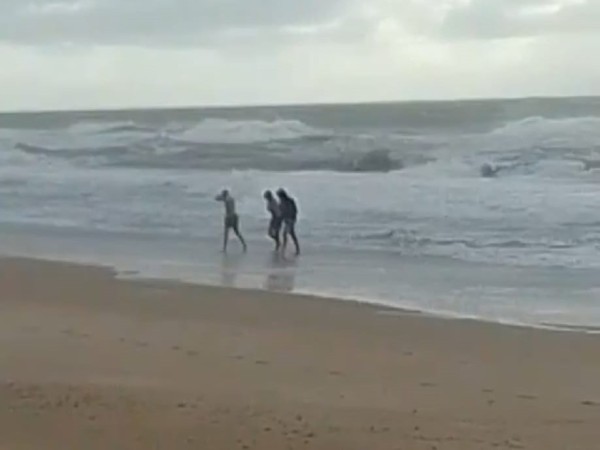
point(232, 220)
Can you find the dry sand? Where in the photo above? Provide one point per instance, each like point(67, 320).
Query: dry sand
point(91, 362)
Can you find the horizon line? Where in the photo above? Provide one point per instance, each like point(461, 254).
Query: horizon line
point(226, 106)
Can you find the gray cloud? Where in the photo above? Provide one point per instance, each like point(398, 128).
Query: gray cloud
point(276, 22)
point(181, 52)
point(154, 22)
point(509, 18)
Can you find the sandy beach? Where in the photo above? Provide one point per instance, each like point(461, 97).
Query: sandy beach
point(88, 361)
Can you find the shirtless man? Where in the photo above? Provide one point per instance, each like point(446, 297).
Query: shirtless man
point(274, 208)
point(232, 220)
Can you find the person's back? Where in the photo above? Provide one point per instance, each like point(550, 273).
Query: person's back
point(273, 208)
point(289, 210)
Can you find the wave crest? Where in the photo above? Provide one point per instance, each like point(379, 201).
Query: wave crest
point(528, 146)
point(249, 131)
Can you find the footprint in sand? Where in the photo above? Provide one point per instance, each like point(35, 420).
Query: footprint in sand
point(513, 443)
point(75, 334)
point(373, 429)
point(590, 403)
point(527, 397)
point(428, 384)
point(71, 333)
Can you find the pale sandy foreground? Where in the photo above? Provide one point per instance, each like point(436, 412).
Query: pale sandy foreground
point(90, 362)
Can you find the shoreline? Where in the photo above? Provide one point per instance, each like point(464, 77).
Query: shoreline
point(381, 306)
point(376, 305)
point(534, 297)
point(90, 360)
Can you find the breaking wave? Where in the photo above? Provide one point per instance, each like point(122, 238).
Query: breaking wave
point(523, 146)
point(213, 144)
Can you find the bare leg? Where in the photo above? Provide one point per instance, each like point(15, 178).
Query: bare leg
point(285, 240)
point(277, 241)
point(290, 230)
point(274, 234)
point(225, 239)
point(236, 230)
point(295, 239)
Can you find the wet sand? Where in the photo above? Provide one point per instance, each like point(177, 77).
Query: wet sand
point(91, 362)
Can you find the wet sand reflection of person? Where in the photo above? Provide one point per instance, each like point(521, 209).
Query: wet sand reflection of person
point(230, 269)
point(281, 274)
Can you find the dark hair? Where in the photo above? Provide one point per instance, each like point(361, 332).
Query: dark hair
point(268, 194)
point(282, 194)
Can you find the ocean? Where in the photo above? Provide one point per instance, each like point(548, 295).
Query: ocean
point(478, 209)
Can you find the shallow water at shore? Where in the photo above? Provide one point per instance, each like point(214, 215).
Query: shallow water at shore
point(542, 296)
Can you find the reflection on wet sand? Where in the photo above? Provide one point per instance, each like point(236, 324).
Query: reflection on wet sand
point(230, 269)
point(281, 273)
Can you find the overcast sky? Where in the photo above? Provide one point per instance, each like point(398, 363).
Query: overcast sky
point(61, 54)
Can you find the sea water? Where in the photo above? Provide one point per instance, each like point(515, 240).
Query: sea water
point(397, 202)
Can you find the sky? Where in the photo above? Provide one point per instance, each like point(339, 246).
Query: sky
point(89, 54)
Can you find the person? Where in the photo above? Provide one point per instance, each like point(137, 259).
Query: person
point(489, 171)
point(276, 220)
point(289, 215)
point(232, 220)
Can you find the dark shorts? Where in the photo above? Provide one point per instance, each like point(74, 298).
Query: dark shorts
point(232, 221)
point(275, 226)
point(289, 225)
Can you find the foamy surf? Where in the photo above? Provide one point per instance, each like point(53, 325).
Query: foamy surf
point(390, 184)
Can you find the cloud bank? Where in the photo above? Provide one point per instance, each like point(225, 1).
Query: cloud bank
point(94, 53)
